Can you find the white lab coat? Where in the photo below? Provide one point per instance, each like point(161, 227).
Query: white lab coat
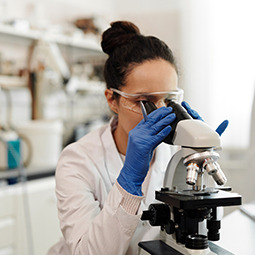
point(93, 218)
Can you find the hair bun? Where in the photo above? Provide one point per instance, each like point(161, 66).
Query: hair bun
point(118, 34)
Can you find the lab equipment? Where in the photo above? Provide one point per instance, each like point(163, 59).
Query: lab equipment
point(142, 140)
point(41, 144)
point(10, 150)
point(10, 153)
point(190, 205)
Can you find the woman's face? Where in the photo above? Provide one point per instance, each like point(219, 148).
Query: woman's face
point(150, 76)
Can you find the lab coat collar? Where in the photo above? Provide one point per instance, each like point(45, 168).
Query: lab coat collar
point(113, 162)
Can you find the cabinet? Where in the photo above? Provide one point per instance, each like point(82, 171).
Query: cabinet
point(7, 222)
point(28, 220)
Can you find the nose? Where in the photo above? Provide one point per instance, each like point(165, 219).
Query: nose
point(160, 103)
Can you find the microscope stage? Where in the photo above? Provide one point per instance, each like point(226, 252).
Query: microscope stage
point(191, 201)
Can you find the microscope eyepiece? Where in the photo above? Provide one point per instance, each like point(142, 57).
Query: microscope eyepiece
point(179, 110)
point(181, 114)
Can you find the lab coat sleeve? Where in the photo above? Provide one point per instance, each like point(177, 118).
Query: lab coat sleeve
point(88, 226)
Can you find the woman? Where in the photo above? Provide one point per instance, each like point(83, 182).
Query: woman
point(105, 180)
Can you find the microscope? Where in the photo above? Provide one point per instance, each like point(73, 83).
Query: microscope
point(189, 212)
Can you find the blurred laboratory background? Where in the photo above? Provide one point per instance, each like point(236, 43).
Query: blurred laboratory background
point(52, 93)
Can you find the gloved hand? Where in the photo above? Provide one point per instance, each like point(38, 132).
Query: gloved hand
point(142, 140)
point(220, 129)
point(194, 114)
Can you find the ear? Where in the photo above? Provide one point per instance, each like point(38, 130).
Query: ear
point(112, 102)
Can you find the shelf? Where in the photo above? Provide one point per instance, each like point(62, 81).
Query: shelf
point(85, 43)
point(9, 174)
point(88, 86)
point(28, 175)
point(16, 82)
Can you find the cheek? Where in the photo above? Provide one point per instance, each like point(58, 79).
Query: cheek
point(128, 119)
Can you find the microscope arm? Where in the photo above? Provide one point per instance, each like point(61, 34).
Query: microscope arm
point(176, 166)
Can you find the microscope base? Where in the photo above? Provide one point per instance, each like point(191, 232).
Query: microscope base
point(158, 247)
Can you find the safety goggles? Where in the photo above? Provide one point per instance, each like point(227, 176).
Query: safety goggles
point(132, 101)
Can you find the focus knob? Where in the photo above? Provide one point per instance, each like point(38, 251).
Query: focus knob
point(157, 214)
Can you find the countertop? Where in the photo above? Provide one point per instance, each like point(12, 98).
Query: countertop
point(238, 231)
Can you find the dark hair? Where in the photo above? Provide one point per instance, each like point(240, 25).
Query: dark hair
point(127, 47)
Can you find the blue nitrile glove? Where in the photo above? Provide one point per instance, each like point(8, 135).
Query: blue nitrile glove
point(142, 140)
point(220, 129)
point(194, 114)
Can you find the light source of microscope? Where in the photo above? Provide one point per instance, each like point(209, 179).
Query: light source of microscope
point(188, 204)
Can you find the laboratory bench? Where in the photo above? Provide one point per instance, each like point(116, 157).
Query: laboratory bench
point(238, 230)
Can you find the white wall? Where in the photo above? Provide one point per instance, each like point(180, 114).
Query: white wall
point(233, 61)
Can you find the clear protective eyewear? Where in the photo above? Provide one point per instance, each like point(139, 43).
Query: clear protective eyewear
point(132, 101)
